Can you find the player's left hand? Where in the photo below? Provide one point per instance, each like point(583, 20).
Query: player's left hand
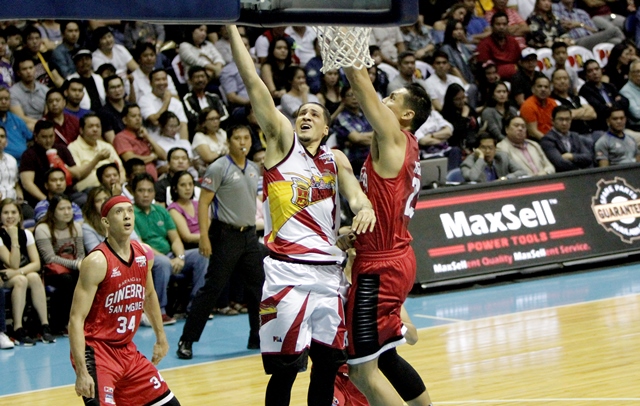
point(160, 349)
point(364, 221)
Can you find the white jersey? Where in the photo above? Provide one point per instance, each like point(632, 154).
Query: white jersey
point(302, 207)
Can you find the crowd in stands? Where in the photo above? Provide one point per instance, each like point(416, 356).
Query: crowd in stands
point(91, 109)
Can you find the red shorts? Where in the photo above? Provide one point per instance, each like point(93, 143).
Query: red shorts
point(345, 392)
point(123, 376)
point(381, 282)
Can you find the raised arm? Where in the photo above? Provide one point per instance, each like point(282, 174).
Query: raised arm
point(276, 126)
point(365, 218)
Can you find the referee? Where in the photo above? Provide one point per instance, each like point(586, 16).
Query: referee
point(229, 186)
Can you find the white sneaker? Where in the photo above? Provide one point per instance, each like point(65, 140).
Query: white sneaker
point(5, 342)
point(144, 321)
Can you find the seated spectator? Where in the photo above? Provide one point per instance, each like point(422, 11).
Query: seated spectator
point(417, 39)
point(198, 99)
point(111, 113)
point(616, 147)
point(432, 139)
point(486, 164)
point(390, 41)
point(460, 57)
point(197, 51)
point(565, 148)
point(132, 167)
point(223, 45)
point(545, 27)
point(616, 72)
point(382, 80)
point(516, 26)
point(9, 183)
point(94, 88)
point(109, 52)
point(184, 209)
point(497, 108)
point(500, 48)
point(329, 93)
point(457, 12)
point(62, 55)
point(487, 79)
point(522, 81)
point(156, 228)
point(581, 111)
point(5, 341)
point(526, 154)
point(110, 177)
point(464, 119)
point(45, 71)
point(23, 275)
point(55, 185)
point(93, 231)
point(582, 29)
point(6, 70)
point(16, 132)
point(631, 90)
point(146, 57)
point(135, 142)
point(152, 105)
point(14, 41)
point(59, 241)
point(560, 55)
point(27, 95)
point(232, 88)
point(353, 131)
point(477, 28)
point(73, 94)
point(536, 110)
point(178, 160)
point(65, 126)
point(50, 32)
point(265, 40)
point(210, 141)
point(304, 38)
point(274, 71)
point(169, 138)
point(406, 75)
point(438, 83)
point(297, 93)
point(91, 152)
point(600, 95)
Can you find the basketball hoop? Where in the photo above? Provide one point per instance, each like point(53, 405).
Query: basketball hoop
point(344, 47)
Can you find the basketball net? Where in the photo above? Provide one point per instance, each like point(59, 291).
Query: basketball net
point(344, 47)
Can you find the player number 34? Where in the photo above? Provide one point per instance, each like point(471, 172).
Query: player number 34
point(126, 324)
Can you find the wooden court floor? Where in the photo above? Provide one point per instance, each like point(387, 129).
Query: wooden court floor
point(581, 354)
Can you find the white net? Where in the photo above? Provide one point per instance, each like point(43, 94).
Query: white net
point(344, 47)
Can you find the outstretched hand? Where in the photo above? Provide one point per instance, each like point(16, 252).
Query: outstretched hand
point(364, 221)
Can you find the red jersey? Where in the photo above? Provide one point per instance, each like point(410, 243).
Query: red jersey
point(393, 202)
point(118, 304)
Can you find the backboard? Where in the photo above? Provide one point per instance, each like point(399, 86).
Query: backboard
point(248, 12)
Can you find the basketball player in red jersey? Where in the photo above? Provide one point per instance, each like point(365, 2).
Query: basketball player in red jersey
point(384, 269)
point(114, 288)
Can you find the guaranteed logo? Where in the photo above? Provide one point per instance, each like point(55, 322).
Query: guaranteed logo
point(616, 207)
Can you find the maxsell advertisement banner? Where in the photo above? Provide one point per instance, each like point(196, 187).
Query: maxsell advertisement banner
point(503, 226)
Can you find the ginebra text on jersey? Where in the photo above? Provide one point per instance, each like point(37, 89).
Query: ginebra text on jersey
point(134, 290)
point(509, 218)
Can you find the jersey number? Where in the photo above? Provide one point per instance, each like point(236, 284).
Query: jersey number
point(124, 325)
point(156, 381)
point(408, 208)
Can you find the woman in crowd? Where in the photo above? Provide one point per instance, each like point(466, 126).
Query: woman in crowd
point(274, 70)
point(463, 118)
point(93, 231)
point(460, 56)
point(457, 12)
point(379, 80)
point(417, 38)
point(184, 209)
point(329, 95)
point(59, 242)
point(545, 27)
point(297, 93)
point(617, 69)
point(115, 54)
point(23, 277)
point(170, 137)
point(497, 107)
point(197, 51)
point(487, 77)
point(210, 141)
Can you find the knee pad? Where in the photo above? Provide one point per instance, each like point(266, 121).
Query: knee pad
point(403, 377)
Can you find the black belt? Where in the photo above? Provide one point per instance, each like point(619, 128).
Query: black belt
point(230, 227)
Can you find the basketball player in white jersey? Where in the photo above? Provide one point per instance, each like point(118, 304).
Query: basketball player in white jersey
point(302, 301)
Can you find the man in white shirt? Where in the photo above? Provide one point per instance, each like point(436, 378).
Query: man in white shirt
point(304, 37)
point(437, 84)
point(159, 100)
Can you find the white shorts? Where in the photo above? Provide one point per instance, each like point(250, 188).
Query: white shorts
point(301, 303)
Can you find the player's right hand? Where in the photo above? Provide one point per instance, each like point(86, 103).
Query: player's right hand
point(160, 349)
point(85, 385)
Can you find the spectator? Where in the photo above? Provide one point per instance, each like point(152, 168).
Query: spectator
point(14, 41)
point(142, 32)
point(27, 95)
point(26, 275)
point(199, 99)
point(110, 177)
point(6, 70)
point(178, 159)
point(232, 87)
point(117, 55)
point(223, 46)
point(458, 12)
point(417, 39)
point(94, 89)
point(560, 56)
point(210, 141)
point(197, 51)
point(464, 119)
point(5, 341)
point(45, 71)
point(536, 110)
point(522, 81)
point(526, 154)
point(73, 94)
point(583, 113)
point(329, 94)
point(59, 241)
point(476, 27)
point(62, 54)
point(500, 48)
point(135, 142)
point(353, 131)
point(406, 75)
point(16, 130)
point(90, 151)
point(132, 167)
point(159, 100)
point(460, 57)
point(437, 84)
point(169, 137)
point(274, 70)
point(432, 139)
point(304, 38)
point(375, 74)
point(145, 55)
point(390, 41)
point(105, 70)
point(156, 228)
point(617, 69)
point(600, 95)
point(297, 93)
point(564, 148)
point(93, 231)
point(9, 184)
point(486, 164)
point(111, 113)
point(516, 26)
point(616, 148)
point(264, 42)
point(631, 90)
point(55, 185)
point(65, 126)
point(487, 79)
point(498, 107)
point(582, 29)
point(382, 79)
point(50, 33)
point(184, 208)
point(545, 27)
point(598, 8)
